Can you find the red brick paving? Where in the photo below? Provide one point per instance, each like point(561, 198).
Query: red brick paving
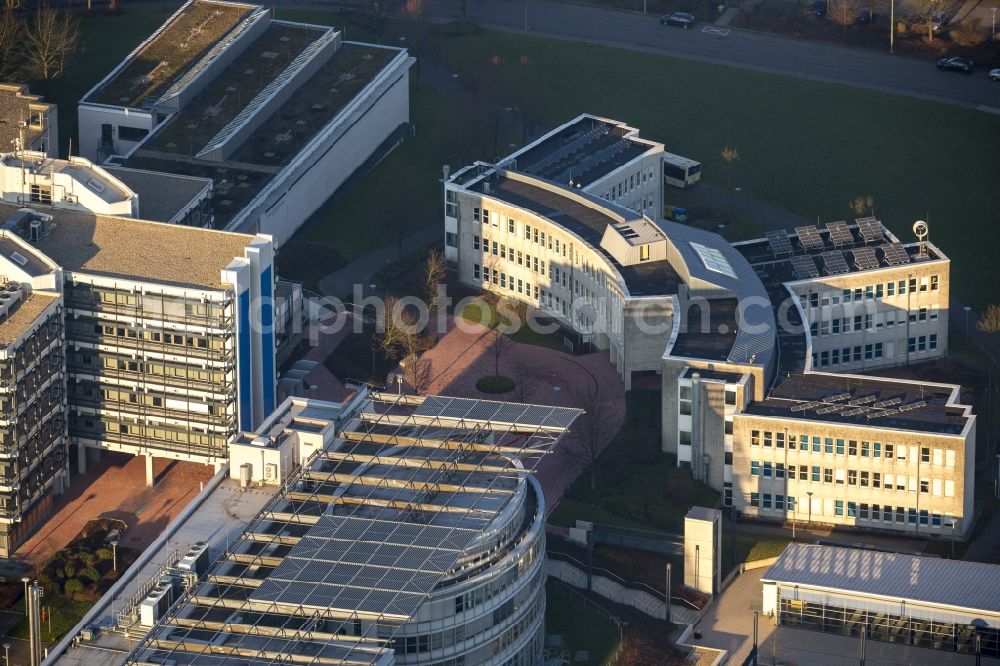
point(115, 487)
point(464, 355)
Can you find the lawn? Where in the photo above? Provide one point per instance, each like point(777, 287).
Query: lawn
point(580, 625)
point(474, 312)
point(806, 146)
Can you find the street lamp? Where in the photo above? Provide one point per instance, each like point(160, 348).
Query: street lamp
point(967, 310)
point(993, 25)
point(399, 383)
point(6, 654)
point(810, 494)
point(952, 524)
point(114, 555)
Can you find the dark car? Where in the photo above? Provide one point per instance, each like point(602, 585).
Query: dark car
point(865, 16)
point(818, 8)
point(958, 64)
point(681, 19)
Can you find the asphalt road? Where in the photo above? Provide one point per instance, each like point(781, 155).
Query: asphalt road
point(739, 48)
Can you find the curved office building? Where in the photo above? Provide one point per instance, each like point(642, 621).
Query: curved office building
point(411, 534)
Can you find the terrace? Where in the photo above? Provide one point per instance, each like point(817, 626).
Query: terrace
point(314, 104)
point(195, 30)
point(210, 111)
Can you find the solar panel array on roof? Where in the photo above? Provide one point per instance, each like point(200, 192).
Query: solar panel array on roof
point(835, 262)
point(497, 412)
point(870, 229)
point(804, 267)
point(840, 233)
point(809, 237)
point(864, 258)
point(895, 254)
point(778, 241)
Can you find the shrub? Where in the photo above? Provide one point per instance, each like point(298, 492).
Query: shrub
point(70, 570)
point(74, 586)
point(495, 384)
point(104, 554)
point(88, 558)
point(60, 573)
point(91, 574)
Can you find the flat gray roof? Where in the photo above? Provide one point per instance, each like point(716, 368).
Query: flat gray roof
point(22, 315)
point(161, 195)
point(137, 249)
point(930, 580)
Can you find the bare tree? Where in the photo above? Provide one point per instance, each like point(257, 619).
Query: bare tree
point(49, 39)
point(414, 11)
point(416, 367)
point(592, 431)
point(863, 204)
point(11, 29)
point(524, 381)
point(391, 332)
point(380, 12)
point(927, 11)
point(508, 315)
point(11, 5)
point(989, 321)
point(731, 156)
point(844, 12)
point(435, 269)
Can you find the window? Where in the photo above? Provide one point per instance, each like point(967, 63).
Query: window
point(644, 253)
point(815, 444)
point(852, 477)
point(450, 239)
point(510, 226)
point(730, 397)
point(840, 447)
point(888, 451)
point(932, 340)
point(815, 473)
point(713, 259)
point(852, 447)
point(451, 204)
point(754, 499)
point(925, 454)
point(131, 133)
point(934, 282)
point(767, 470)
point(828, 445)
point(925, 486)
point(767, 501)
point(475, 242)
point(475, 271)
point(779, 502)
point(729, 426)
point(791, 441)
point(852, 510)
point(779, 440)
point(838, 507)
point(767, 438)
point(728, 458)
point(754, 434)
point(827, 475)
point(866, 449)
point(864, 512)
point(779, 470)
point(876, 479)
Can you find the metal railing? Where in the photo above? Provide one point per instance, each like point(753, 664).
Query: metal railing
point(576, 594)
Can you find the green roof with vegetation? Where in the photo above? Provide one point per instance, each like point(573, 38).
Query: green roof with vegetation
point(181, 43)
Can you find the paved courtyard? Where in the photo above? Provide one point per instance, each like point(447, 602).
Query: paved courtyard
point(464, 354)
point(115, 487)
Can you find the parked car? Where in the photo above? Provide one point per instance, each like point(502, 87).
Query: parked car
point(818, 8)
point(957, 63)
point(864, 16)
point(682, 19)
point(995, 74)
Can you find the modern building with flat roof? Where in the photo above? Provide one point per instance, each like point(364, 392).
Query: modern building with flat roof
point(27, 122)
point(168, 345)
point(759, 344)
point(32, 178)
point(276, 114)
point(390, 530)
point(915, 600)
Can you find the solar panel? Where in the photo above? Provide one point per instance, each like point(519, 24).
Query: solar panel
point(835, 263)
point(839, 396)
point(865, 259)
point(862, 401)
point(888, 403)
point(809, 237)
point(779, 242)
point(840, 233)
point(870, 229)
point(800, 407)
point(804, 267)
point(895, 254)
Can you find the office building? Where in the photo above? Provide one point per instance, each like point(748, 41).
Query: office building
point(723, 325)
point(169, 349)
point(276, 114)
point(390, 530)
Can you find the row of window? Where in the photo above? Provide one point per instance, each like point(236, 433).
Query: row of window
point(839, 446)
point(870, 292)
point(863, 322)
point(852, 477)
point(627, 185)
point(503, 281)
point(860, 510)
point(827, 357)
